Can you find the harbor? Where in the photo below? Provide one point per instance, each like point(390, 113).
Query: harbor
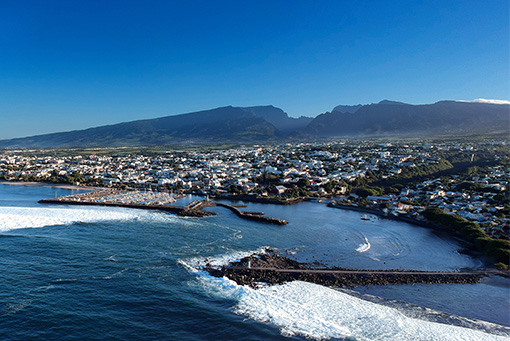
point(150, 200)
point(143, 253)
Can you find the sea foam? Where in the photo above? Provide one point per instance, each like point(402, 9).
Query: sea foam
point(318, 312)
point(32, 217)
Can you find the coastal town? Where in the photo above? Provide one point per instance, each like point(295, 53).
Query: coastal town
point(404, 179)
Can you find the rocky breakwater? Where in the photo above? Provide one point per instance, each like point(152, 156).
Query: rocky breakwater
point(133, 199)
point(195, 209)
point(154, 201)
point(272, 268)
point(256, 216)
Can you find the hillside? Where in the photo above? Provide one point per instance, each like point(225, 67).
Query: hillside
point(216, 125)
point(286, 125)
point(270, 124)
point(386, 117)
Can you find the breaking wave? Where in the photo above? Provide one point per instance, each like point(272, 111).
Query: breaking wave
point(12, 218)
point(194, 264)
point(318, 312)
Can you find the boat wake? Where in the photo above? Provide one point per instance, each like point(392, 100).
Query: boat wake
point(318, 312)
point(364, 247)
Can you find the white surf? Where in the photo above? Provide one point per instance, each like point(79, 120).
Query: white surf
point(318, 312)
point(35, 217)
point(364, 247)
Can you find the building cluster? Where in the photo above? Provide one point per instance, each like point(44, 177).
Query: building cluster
point(317, 169)
point(219, 170)
point(484, 202)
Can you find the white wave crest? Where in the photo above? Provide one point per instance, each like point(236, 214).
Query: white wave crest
point(318, 312)
point(193, 264)
point(32, 217)
point(364, 247)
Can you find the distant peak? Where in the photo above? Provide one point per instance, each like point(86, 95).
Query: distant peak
point(269, 106)
point(385, 102)
point(347, 108)
point(353, 108)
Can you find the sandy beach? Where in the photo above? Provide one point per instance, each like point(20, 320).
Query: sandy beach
point(42, 184)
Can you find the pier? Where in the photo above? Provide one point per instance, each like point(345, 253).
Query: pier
point(149, 200)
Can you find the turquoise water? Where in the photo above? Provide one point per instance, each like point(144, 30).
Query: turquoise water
point(112, 273)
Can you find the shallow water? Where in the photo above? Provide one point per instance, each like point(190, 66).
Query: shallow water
point(96, 273)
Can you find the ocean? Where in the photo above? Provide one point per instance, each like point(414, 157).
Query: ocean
point(95, 273)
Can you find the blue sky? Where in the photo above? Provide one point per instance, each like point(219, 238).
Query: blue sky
point(76, 64)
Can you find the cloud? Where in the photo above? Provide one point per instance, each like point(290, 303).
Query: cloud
point(489, 101)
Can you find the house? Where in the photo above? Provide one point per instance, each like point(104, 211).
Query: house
point(279, 189)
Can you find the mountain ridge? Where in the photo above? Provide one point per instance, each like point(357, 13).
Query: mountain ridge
point(389, 117)
point(267, 123)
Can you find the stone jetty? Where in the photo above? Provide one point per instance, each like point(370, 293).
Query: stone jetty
point(256, 216)
point(272, 268)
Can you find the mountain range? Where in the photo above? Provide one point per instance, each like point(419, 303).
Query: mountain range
point(270, 124)
point(396, 118)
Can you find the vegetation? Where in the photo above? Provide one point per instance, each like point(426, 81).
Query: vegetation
point(55, 178)
point(369, 191)
point(410, 174)
point(497, 249)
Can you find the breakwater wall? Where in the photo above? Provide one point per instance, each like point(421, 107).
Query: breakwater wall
point(256, 216)
point(249, 276)
point(272, 268)
point(59, 201)
point(154, 202)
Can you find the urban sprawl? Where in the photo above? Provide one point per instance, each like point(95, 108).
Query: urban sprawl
point(467, 180)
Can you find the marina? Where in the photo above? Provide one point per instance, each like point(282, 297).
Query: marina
point(150, 200)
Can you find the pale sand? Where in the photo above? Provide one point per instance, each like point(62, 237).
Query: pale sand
point(42, 184)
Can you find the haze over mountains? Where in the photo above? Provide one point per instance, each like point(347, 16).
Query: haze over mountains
point(388, 117)
point(271, 124)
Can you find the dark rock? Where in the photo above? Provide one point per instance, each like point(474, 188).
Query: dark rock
point(272, 268)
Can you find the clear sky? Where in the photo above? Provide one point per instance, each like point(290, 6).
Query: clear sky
point(76, 64)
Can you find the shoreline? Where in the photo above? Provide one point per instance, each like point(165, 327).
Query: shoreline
point(261, 200)
point(45, 184)
point(467, 247)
